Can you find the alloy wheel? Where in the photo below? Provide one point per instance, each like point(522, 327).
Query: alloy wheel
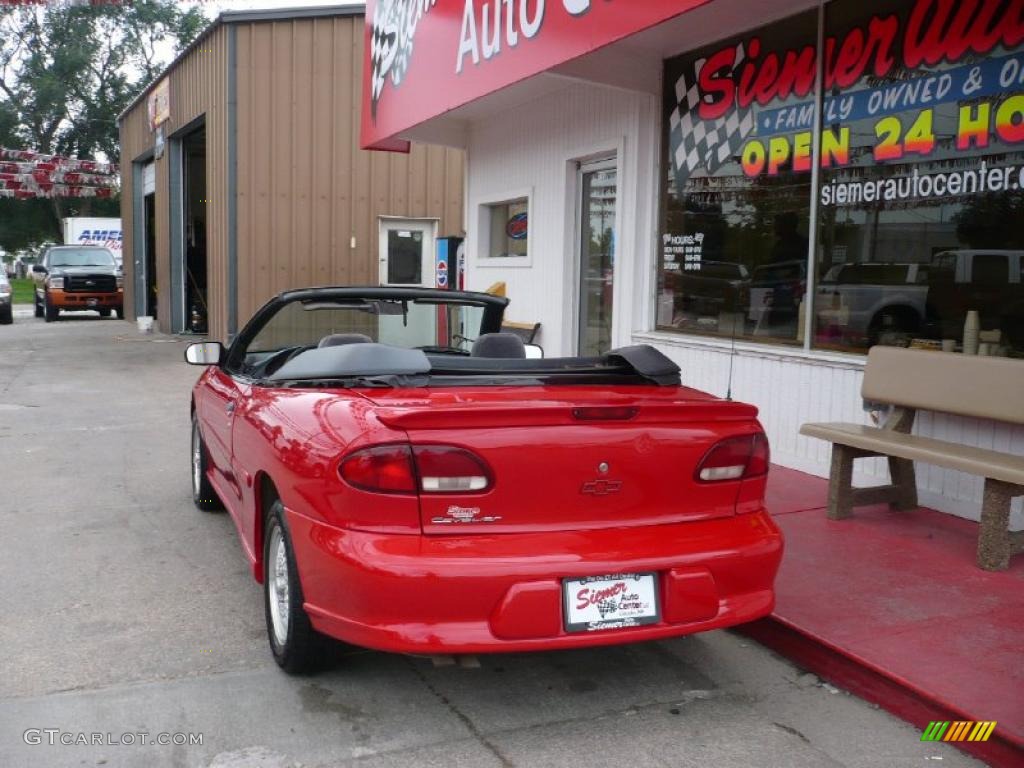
point(278, 586)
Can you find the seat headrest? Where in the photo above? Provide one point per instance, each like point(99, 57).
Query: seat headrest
point(499, 345)
point(340, 339)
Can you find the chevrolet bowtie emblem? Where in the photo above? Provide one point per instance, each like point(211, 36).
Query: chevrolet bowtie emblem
point(601, 487)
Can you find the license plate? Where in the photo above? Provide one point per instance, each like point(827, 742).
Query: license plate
point(610, 602)
point(91, 302)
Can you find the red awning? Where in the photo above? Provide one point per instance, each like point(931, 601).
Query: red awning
point(424, 58)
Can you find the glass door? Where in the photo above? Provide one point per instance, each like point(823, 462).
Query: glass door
point(598, 185)
point(407, 252)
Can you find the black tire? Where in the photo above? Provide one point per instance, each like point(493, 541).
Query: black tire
point(120, 313)
point(38, 307)
point(203, 495)
point(296, 646)
point(6, 314)
point(105, 312)
point(51, 312)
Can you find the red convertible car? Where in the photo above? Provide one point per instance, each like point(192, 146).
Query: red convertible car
point(403, 476)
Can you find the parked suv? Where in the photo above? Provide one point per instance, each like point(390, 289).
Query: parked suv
point(6, 311)
point(863, 301)
point(716, 286)
point(75, 277)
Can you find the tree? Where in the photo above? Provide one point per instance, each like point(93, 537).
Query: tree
point(66, 72)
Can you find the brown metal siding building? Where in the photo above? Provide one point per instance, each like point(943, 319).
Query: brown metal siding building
point(261, 186)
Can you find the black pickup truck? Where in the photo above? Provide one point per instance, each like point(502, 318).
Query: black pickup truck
point(76, 277)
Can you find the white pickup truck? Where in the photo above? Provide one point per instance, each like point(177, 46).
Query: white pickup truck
point(859, 303)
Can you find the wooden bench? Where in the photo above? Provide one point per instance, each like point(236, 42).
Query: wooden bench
point(526, 331)
point(910, 380)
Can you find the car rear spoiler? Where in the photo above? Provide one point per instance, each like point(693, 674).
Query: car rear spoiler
point(649, 363)
point(641, 361)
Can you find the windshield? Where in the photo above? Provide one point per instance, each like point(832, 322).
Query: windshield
point(81, 257)
point(433, 326)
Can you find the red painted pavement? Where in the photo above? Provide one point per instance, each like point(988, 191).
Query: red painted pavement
point(890, 605)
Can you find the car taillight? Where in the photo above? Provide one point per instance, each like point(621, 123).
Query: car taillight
point(408, 469)
point(444, 469)
point(735, 458)
point(382, 469)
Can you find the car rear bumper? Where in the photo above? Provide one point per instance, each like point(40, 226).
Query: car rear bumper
point(478, 594)
point(85, 300)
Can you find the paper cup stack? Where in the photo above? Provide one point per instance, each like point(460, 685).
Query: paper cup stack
point(972, 327)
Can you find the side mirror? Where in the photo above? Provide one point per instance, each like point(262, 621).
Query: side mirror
point(534, 352)
point(204, 353)
point(39, 269)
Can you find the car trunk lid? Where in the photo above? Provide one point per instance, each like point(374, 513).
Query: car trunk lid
point(572, 458)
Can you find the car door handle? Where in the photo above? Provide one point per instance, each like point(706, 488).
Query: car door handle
point(230, 407)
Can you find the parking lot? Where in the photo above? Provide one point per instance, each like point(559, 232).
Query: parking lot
point(126, 611)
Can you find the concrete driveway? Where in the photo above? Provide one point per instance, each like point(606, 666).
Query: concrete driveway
point(124, 611)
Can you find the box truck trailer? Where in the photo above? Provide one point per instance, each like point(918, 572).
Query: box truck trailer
point(105, 232)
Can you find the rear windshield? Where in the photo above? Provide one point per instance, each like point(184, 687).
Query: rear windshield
point(81, 257)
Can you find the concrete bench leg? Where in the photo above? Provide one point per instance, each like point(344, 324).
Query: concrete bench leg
point(904, 481)
point(995, 542)
point(840, 483)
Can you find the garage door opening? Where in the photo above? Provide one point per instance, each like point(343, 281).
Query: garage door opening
point(149, 255)
point(194, 254)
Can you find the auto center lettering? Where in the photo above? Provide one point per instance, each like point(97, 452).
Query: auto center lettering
point(518, 17)
point(394, 25)
point(936, 31)
point(894, 69)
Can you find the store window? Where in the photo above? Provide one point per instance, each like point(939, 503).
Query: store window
point(508, 227)
point(734, 242)
point(930, 195)
point(920, 196)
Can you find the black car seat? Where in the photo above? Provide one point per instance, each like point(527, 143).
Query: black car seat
point(499, 345)
point(340, 339)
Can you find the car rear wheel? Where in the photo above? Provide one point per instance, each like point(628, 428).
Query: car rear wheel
point(203, 495)
point(105, 312)
point(39, 307)
point(51, 312)
point(120, 313)
point(296, 646)
point(6, 314)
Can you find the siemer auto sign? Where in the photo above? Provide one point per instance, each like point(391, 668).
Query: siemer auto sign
point(427, 57)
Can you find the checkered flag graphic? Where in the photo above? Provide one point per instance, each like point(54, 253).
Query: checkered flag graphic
point(694, 142)
point(388, 55)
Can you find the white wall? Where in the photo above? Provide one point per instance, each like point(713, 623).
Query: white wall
point(532, 147)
